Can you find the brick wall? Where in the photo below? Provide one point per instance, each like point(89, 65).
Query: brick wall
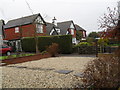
point(27, 31)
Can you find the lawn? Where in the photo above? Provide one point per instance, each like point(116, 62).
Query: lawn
point(14, 56)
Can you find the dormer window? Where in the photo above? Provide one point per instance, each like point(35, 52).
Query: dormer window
point(16, 29)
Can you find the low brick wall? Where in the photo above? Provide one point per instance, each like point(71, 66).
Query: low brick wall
point(25, 59)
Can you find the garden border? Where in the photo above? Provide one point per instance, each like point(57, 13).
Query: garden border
point(24, 59)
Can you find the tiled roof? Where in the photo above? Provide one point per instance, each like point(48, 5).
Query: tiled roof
point(63, 26)
point(49, 27)
point(79, 28)
point(22, 21)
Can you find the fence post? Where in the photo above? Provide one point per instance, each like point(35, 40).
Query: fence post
point(96, 49)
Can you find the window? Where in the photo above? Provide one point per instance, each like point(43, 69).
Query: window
point(83, 33)
point(39, 28)
point(17, 30)
point(72, 32)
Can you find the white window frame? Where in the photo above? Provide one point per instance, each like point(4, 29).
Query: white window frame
point(72, 31)
point(16, 29)
point(83, 33)
point(39, 28)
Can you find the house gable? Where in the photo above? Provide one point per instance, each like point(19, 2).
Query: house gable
point(72, 26)
point(25, 27)
point(55, 31)
point(80, 29)
point(24, 21)
point(39, 20)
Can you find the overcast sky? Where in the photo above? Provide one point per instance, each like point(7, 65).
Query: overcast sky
point(85, 13)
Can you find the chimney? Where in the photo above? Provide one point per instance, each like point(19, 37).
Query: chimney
point(54, 21)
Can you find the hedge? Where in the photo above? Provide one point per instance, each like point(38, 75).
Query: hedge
point(28, 44)
point(87, 50)
point(64, 42)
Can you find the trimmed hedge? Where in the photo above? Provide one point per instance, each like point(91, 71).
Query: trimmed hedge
point(64, 42)
point(28, 44)
point(87, 50)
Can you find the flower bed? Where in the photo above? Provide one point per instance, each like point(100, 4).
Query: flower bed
point(24, 59)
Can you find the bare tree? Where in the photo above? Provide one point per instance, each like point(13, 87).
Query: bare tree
point(109, 20)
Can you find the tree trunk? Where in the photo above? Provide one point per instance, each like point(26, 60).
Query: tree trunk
point(36, 40)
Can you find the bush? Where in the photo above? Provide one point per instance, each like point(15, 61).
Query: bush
point(84, 48)
point(53, 49)
point(102, 73)
point(87, 50)
point(64, 42)
point(82, 44)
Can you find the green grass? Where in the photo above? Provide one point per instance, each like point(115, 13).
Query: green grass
point(115, 45)
point(14, 56)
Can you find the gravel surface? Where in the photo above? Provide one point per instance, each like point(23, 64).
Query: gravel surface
point(41, 73)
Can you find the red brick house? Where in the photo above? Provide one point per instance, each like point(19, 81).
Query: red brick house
point(28, 26)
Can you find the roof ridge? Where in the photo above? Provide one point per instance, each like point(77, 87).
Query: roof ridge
point(65, 21)
point(23, 17)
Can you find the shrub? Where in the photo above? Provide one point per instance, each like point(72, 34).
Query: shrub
point(53, 49)
point(87, 50)
point(102, 73)
point(84, 48)
point(82, 44)
point(44, 52)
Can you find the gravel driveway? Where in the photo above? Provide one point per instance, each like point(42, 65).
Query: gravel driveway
point(41, 73)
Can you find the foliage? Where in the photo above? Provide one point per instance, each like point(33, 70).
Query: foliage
point(44, 52)
point(28, 44)
point(14, 56)
point(84, 44)
point(53, 49)
point(102, 73)
point(103, 42)
point(81, 44)
point(114, 45)
point(93, 35)
point(64, 42)
point(84, 49)
point(91, 40)
point(79, 35)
